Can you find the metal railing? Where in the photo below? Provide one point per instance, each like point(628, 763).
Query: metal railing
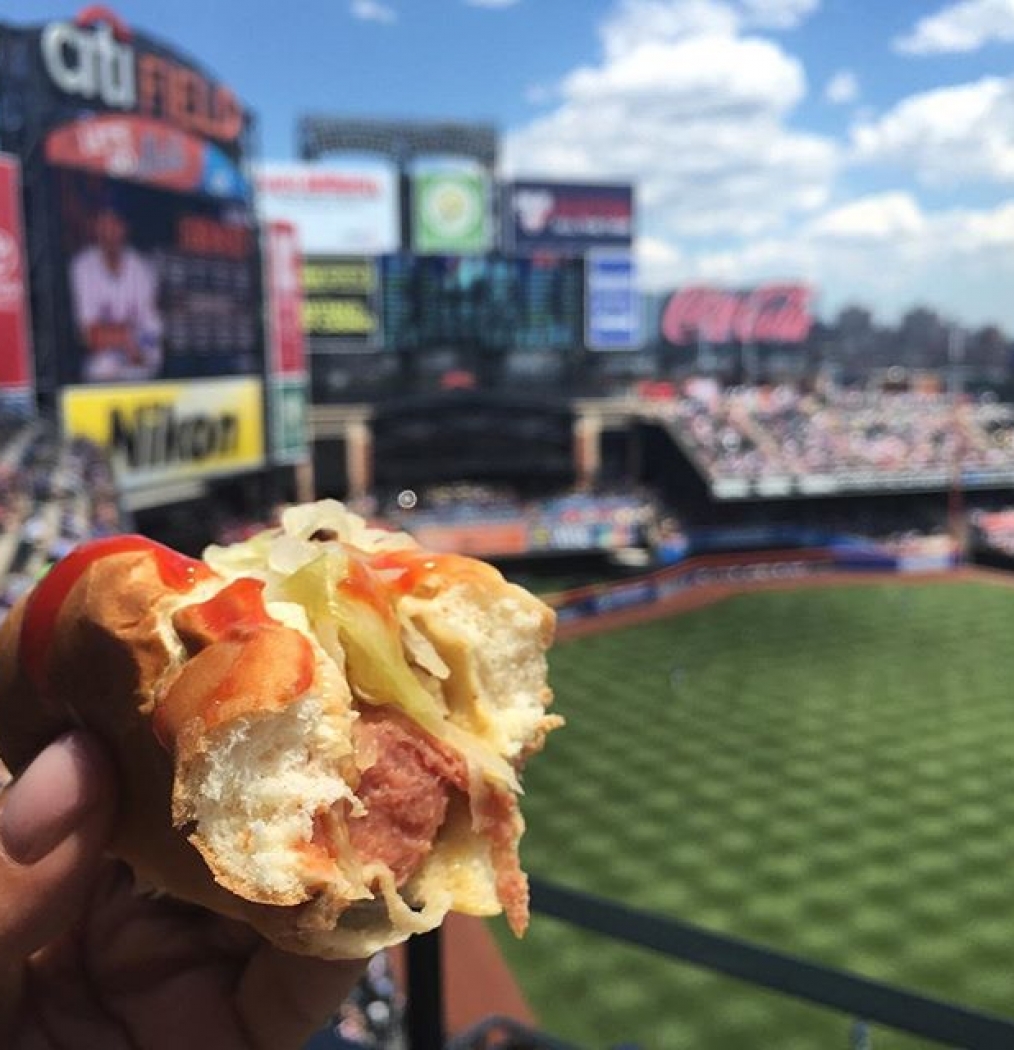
point(868, 1001)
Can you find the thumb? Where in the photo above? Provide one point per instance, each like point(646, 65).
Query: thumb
point(55, 821)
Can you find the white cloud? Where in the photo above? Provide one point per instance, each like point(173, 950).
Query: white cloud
point(947, 136)
point(659, 263)
point(694, 113)
point(539, 94)
point(870, 219)
point(777, 14)
point(963, 26)
point(695, 106)
point(636, 22)
point(887, 252)
point(373, 11)
point(842, 88)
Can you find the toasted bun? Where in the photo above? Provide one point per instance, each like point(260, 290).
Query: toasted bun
point(317, 731)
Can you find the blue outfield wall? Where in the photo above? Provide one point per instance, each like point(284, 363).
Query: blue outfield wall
point(744, 569)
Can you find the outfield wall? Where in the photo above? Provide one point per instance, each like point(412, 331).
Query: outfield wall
point(736, 570)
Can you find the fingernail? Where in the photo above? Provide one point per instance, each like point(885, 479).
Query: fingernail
point(45, 804)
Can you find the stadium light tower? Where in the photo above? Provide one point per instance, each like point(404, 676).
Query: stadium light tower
point(955, 495)
point(955, 359)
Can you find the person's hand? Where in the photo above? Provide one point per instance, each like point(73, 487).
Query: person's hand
point(87, 962)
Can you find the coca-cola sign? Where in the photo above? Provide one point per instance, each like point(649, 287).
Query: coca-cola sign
point(771, 313)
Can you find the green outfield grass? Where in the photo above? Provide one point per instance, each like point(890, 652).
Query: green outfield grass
point(826, 771)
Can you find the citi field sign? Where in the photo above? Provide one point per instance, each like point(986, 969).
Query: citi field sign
point(98, 59)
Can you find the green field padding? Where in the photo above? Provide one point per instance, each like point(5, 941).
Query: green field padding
point(826, 771)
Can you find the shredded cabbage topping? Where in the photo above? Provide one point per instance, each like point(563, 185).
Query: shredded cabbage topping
point(305, 520)
point(349, 609)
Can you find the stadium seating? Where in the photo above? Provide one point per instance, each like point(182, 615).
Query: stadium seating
point(868, 438)
point(53, 494)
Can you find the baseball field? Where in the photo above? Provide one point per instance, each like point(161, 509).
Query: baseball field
point(828, 771)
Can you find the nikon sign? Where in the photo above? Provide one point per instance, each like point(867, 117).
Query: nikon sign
point(170, 432)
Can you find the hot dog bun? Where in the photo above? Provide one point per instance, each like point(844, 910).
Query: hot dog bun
point(317, 731)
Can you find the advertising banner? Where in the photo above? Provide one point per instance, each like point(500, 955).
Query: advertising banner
point(166, 432)
point(567, 218)
point(451, 213)
point(773, 313)
point(145, 150)
point(288, 385)
point(335, 210)
point(290, 435)
point(147, 256)
point(159, 284)
point(97, 62)
point(612, 302)
point(341, 304)
point(286, 356)
point(481, 539)
point(16, 377)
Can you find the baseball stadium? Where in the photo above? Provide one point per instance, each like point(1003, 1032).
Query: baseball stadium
point(780, 812)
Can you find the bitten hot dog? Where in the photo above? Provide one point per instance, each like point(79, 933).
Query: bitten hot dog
point(318, 730)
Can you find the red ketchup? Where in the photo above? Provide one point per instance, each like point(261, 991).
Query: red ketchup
point(364, 585)
point(424, 571)
point(232, 614)
point(242, 662)
point(177, 572)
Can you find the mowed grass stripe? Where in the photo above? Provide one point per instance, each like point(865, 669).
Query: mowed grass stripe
point(827, 771)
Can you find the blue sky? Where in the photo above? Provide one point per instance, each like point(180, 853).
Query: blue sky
point(864, 145)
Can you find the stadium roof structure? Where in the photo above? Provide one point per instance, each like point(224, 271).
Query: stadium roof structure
point(401, 140)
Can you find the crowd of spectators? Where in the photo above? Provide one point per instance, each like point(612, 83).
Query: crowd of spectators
point(757, 432)
point(579, 520)
point(995, 433)
point(54, 494)
point(457, 501)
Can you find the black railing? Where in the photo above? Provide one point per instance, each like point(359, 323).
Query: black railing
point(424, 1013)
point(872, 1002)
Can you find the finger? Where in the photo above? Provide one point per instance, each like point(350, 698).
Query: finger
point(152, 971)
point(166, 1013)
point(282, 999)
point(61, 1001)
point(232, 939)
point(55, 821)
point(134, 942)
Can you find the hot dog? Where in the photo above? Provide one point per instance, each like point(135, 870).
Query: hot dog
point(318, 730)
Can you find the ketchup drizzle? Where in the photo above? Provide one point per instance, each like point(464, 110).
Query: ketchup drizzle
point(177, 572)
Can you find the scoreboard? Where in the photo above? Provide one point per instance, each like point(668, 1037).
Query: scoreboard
point(490, 302)
point(341, 309)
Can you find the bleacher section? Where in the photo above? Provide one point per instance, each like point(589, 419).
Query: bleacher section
point(783, 440)
point(53, 495)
